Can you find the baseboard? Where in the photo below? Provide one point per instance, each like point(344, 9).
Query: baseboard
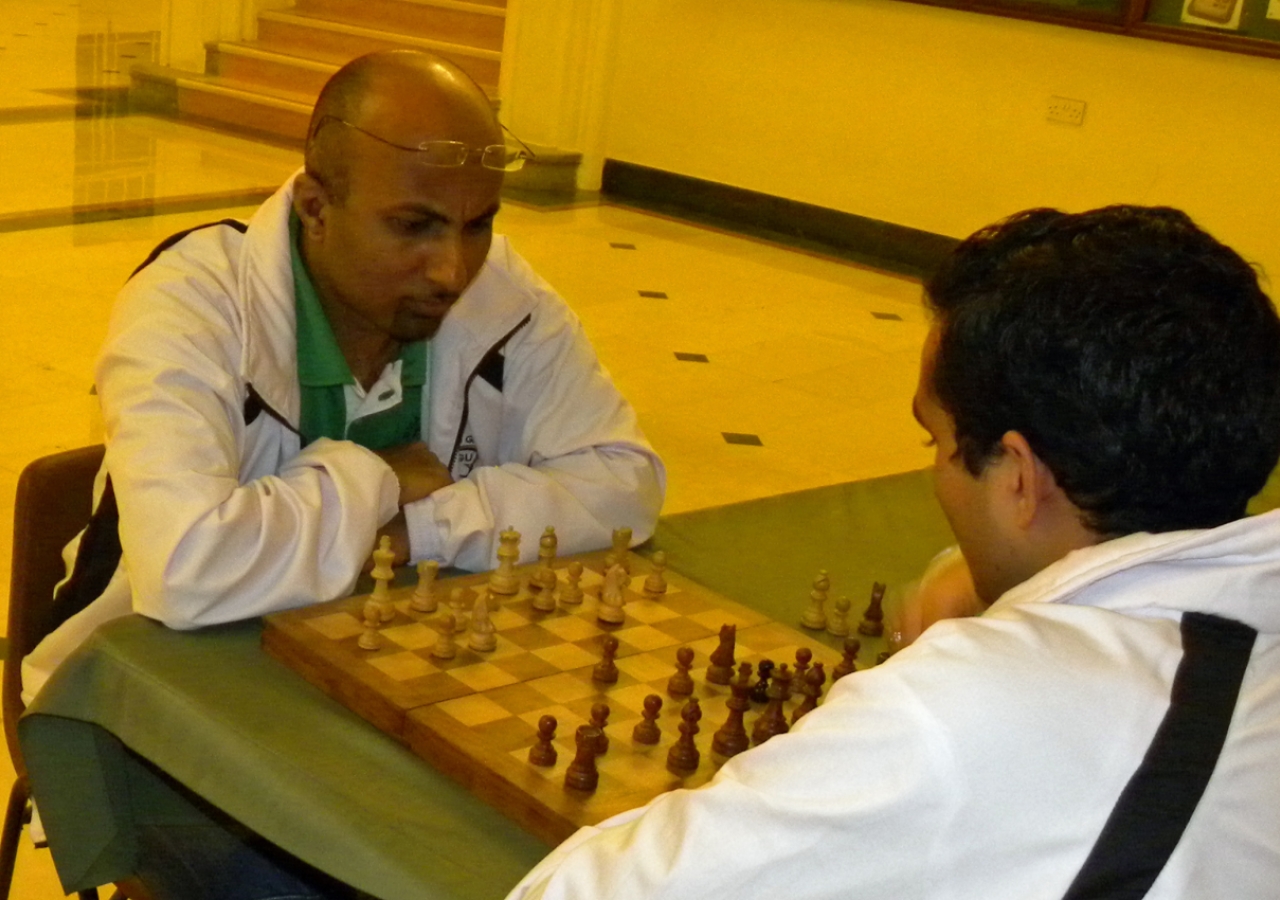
point(884, 245)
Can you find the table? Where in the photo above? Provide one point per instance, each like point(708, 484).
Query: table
point(237, 729)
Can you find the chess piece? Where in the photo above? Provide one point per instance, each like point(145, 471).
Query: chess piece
point(606, 671)
point(773, 721)
point(760, 692)
point(646, 730)
point(618, 555)
point(732, 738)
point(482, 638)
point(600, 718)
point(872, 623)
point(571, 593)
point(582, 774)
point(544, 578)
point(811, 687)
point(683, 757)
point(503, 579)
point(656, 584)
point(543, 753)
point(424, 593)
point(681, 684)
point(721, 669)
point(609, 609)
point(369, 639)
point(803, 656)
point(848, 665)
point(458, 603)
point(838, 621)
point(444, 647)
point(544, 597)
point(382, 574)
point(815, 616)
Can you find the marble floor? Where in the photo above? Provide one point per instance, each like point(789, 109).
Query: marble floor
point(755, 369)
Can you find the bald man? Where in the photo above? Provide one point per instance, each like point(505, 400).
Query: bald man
point(363, 357)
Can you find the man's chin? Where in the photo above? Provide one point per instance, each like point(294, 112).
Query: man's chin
point(420, 329)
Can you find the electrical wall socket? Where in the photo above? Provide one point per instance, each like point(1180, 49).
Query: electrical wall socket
point(1065, 110)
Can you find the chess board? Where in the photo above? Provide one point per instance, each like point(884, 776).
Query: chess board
point(475, 716)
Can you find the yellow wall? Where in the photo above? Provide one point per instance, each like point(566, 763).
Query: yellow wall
point(936, 118)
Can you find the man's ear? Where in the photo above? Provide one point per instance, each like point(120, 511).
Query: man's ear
point(1028, 482)
point(310, 203)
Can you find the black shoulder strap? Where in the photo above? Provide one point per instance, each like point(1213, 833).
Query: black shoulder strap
point(1157, 803)
point(491, 368)
point(97, 559)
point(174, 238)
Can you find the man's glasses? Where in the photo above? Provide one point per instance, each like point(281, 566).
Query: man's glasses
point(452, 154)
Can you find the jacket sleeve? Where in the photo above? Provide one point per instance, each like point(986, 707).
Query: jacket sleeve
point(204, 541)
point(570, 454)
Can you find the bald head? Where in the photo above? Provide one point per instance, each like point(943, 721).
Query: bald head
point(404, 98)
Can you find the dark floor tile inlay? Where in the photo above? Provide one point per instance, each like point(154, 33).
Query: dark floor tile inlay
point(892, 317)
point(616, 246)
point(692, 357)
point(654, 295)
point(751, 440)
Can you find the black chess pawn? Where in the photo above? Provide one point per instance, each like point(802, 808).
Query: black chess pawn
point(811, 687)
point(760, 693)
point(599, 718)
point(646, 730)
point(721, 669)
point(773, 721)
point(848, 665)
point(543, 753)
point(582, 774)
point(732, 738)
point(872, 623)
point(606, 671)
point(681, 683)
point(683, 757)
point(803, 656)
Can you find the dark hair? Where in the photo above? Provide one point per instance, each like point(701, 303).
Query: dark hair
point(1136, 354)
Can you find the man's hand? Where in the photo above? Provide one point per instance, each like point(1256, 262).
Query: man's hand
point(420, 473)
point(945, 591)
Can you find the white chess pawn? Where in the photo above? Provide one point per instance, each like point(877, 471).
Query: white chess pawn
point(611, 597)
point(444, 647)
point(481, 638)
point(571, 593)
point(838, 621)
point(458, 603)
point(369, 639)
point(815, 616)
point(656, 583)
point(424, 594)
point(503, 580)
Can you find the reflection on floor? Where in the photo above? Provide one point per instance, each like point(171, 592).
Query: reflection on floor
point(754, 369)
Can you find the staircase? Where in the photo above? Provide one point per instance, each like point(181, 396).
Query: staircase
point(266, 88)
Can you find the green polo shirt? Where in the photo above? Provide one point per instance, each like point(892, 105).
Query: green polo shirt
point(326, 379)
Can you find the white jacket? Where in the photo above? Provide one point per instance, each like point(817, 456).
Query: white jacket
point(982, 762)
point(224, 519)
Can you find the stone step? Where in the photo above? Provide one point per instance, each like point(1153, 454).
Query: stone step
point(249, 66)
point(276, 115)
point(325, 40)
point(452, 21)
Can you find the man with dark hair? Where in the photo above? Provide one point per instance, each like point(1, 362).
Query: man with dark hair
point(1103, 391)
point(363, 358)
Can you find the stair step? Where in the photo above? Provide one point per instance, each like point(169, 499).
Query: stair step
point(452, 21)
point(336, 42)
point(278, 115)
point(250, 66)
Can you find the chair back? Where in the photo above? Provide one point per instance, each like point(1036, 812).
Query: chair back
point(53, 504)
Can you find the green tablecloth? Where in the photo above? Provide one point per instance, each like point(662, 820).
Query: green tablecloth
point(245, 734)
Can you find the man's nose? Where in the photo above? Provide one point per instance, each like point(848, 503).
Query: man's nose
point(446, 265)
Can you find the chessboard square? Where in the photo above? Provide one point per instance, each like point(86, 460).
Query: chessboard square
point(414, 636)
point(571, 627)
point(632, 697)
point(483, 676)
point(563, 688)
point(535, 635)
point(646, 667)
point(650, 611)
point(714, 618)
point(644, 637)
point(685, 630)
point(567, 721)
point(505, 618)
point(404, 666)
point(770, 637)
point(521, 755)
point(336, 626)
point(506, 733)
point(474, 709)
point(566, 656)
point(527, 666)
